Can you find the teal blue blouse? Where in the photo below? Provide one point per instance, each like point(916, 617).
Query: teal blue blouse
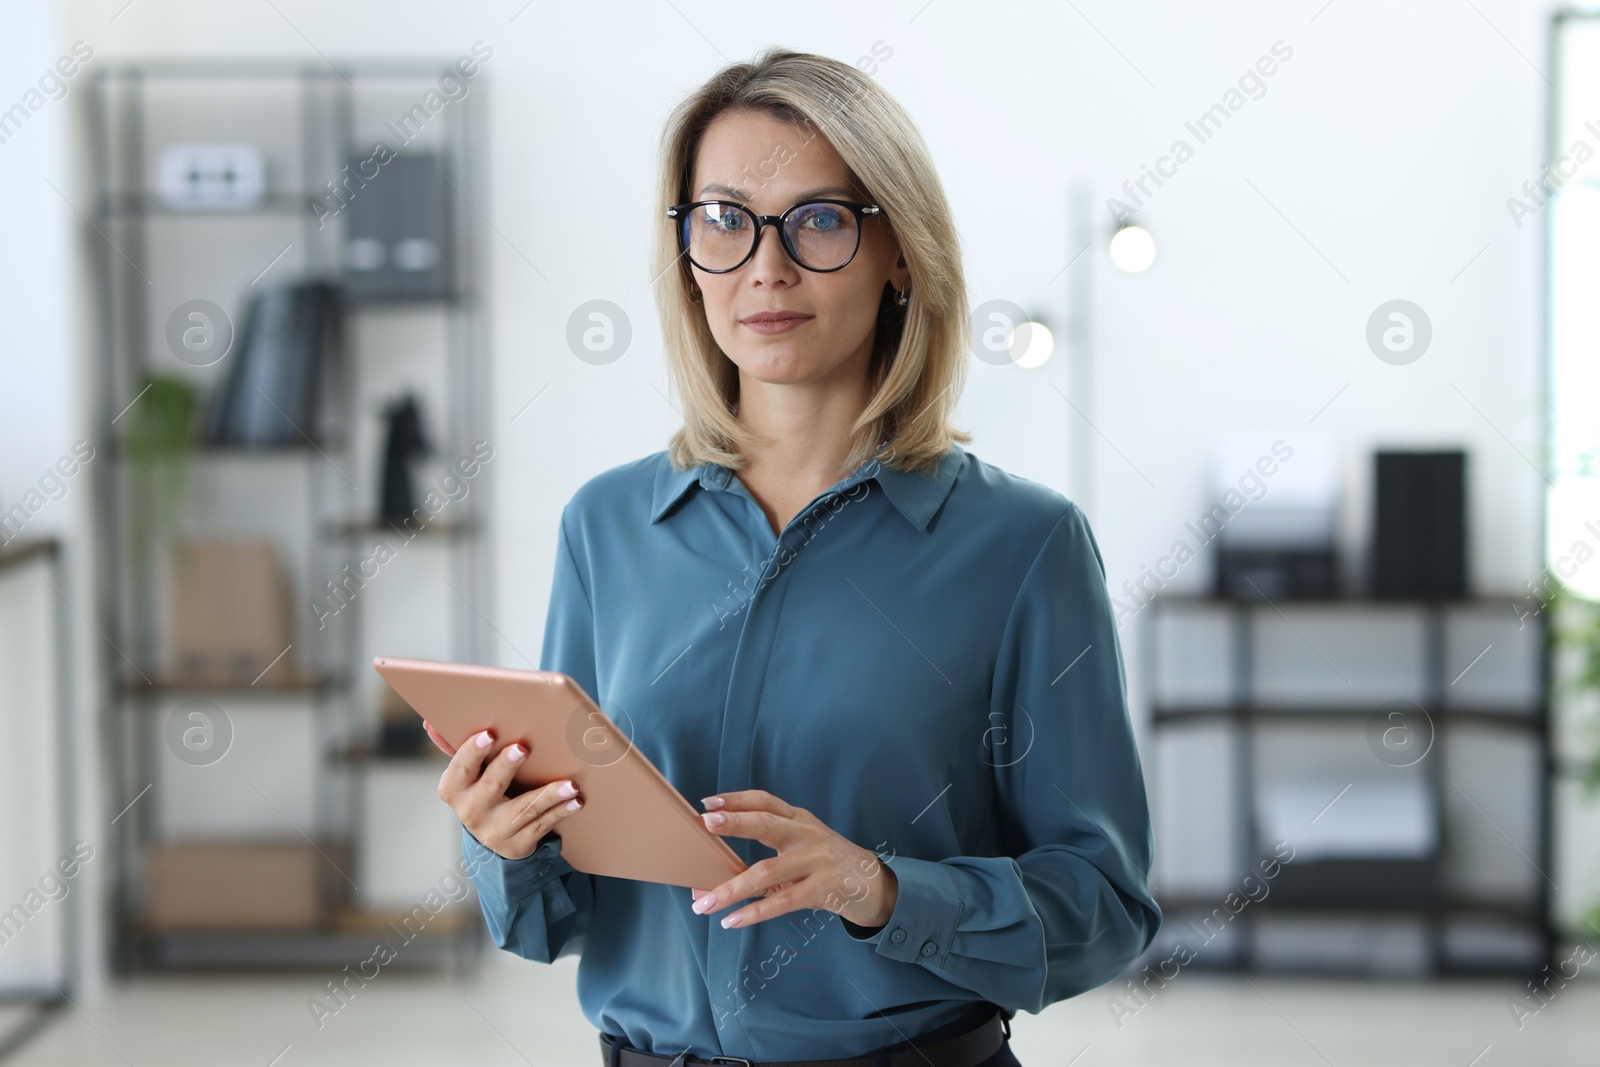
point(930, 666)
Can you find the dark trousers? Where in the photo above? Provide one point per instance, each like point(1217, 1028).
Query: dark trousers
point(1003, 1057)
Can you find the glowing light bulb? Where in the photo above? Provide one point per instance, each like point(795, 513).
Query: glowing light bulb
point(1133, 249)
point(1032, 344)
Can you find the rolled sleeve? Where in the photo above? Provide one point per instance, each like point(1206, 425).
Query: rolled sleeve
point(535, 906)
point(1070, 907)
point(511, 880)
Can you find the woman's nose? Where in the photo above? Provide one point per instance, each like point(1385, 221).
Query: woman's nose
point(771, 259)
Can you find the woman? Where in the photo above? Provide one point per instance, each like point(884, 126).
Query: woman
point(890, 667)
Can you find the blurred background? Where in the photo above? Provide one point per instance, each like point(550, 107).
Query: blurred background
point(316, 316)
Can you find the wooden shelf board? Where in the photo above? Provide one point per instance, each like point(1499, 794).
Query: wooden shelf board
point(17, 551)
point(291, 949)
point(422, 757)
point(437, 528)
point(148, 205)
point(293, 684)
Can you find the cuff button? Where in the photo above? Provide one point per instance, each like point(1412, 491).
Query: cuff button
point(930, 947)
point(899, 935)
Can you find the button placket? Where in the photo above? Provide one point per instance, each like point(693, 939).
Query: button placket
point(725, 479)
point(757, 638)
point(752, 654)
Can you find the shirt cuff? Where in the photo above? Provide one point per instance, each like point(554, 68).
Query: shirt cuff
point(926, 909)
point(513, 880)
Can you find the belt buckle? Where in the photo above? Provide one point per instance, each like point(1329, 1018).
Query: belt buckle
point(731, 1059)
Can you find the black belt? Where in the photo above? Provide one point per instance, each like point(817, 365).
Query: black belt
point(963, 1050)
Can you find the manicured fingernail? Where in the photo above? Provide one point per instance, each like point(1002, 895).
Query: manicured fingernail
point(515, 753)
point(574, 805)
point(704, 904)
point(484, 739)
point(714, 818)
point(711, 803)
point(729, 921)
point(567, 789)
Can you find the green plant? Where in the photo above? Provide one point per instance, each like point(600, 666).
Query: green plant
point(1575, 626)
point(158, 438)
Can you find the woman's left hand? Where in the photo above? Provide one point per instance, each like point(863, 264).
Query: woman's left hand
point(814, 868)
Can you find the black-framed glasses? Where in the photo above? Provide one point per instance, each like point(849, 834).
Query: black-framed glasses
point(820, 235)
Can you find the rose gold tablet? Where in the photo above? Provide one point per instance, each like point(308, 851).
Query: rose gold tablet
point(633, 823)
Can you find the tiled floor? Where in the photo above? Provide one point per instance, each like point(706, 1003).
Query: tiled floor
point(511, 1012)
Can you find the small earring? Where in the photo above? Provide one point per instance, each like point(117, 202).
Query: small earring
point(902, 296)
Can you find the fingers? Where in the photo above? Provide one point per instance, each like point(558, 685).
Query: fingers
point(515, 825)
point(772, 830)
point(750, 800)
point(782, 881)
point(490, 788)
point(761, 877)
point(438, 739)
point(780, 900)
point(465, 766)
point(475, 787)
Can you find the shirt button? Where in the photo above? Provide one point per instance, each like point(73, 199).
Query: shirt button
point(899, 934)
point(929, 948)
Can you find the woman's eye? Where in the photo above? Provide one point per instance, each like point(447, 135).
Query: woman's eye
point(820, 219)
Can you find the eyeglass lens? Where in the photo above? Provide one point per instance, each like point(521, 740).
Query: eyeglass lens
point(719, 235)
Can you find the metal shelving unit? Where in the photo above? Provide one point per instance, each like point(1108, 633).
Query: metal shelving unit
point(317, 498)
point(1229, 700)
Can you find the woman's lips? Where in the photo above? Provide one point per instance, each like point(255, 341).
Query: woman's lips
point(771, 326)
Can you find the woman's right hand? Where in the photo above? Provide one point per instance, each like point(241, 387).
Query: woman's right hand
point(475, 788)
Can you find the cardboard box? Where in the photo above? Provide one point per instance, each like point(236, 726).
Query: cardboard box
point(244, 885)
point(230, 604)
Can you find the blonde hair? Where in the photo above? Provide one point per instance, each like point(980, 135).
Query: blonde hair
point(919, 357)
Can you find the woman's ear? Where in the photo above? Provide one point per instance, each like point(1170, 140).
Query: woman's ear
point(900, 273)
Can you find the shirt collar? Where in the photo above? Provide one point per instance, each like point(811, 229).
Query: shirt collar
point(917, 497)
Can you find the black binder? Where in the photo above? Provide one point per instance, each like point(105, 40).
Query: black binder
point(1420, 546)
point(269, 395)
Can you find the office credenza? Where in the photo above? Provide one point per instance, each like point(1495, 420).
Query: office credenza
point(1351, 785)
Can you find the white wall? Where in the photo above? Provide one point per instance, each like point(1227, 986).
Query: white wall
point(1376, 165)
point(1390, 141)
point(43, 412)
